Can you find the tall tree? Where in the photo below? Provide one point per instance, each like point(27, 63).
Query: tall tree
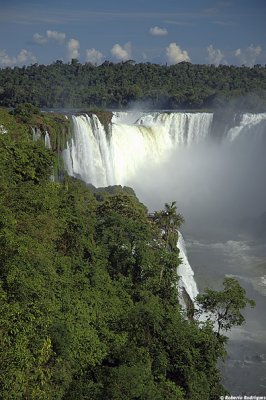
point(224, 307)
point(169, 221)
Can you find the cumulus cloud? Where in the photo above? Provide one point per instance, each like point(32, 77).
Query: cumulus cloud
point(39, 39)
point(58, 37)
point(249, 55)
point(122, 53)
point(156, 31)
point(73, 49)
point(175, 54)
point(25, 56)
point(215, 56)
point(22, 58)
point(94, 56)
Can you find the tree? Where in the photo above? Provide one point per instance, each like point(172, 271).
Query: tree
point(25, 111)
point(169, 221)
point(114, 85)
point(225, 306)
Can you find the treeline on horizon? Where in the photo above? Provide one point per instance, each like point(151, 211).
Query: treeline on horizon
point(179, 86)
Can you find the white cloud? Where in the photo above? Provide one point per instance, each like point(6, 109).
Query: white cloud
point(215, 56)
point(6, 60)
point(94, 56)
point(249, 55)
point(39, 39)
point(23, 57)
point(73, 49)
point(122, 53)
point(156, 31)
point(58, 37)
point(175, 54)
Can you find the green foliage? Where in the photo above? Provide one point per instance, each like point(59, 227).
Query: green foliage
point(11, 125)
point(26, 161)
point(225, 306)
point(85, 311)
point(58, 127)
point(169, 222)
point(26, 111)
point(19, 124)
point(87, 86)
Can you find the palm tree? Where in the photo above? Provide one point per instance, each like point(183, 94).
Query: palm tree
point(169, 221)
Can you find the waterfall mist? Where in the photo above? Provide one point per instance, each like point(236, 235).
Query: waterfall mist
point(217, 185)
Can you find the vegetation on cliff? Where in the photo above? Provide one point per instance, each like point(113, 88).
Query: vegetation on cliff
point(88, 292)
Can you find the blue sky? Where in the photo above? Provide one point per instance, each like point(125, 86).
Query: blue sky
point(165, 31)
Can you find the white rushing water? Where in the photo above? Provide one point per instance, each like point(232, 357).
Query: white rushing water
point(38, 135)
point(47, 140)
point(114, 157)
point(186, 273)
point(249, 124)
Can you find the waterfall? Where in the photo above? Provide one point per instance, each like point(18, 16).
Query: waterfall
point(47, 140)
point(253, 124)
point(36, 134)
point(132, 142)
point(202, 172)
point(88, 155)
point(186, 273)
point(184, 128)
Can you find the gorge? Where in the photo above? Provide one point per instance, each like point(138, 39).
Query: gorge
point(214, 166)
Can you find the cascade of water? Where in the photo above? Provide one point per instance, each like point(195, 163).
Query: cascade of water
point(133, 142)
point(134, 146)
point(184, 128)
point(185, 272)
point(87, 155)
point(249, 123)
point(36, 134)
point(47, 141)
